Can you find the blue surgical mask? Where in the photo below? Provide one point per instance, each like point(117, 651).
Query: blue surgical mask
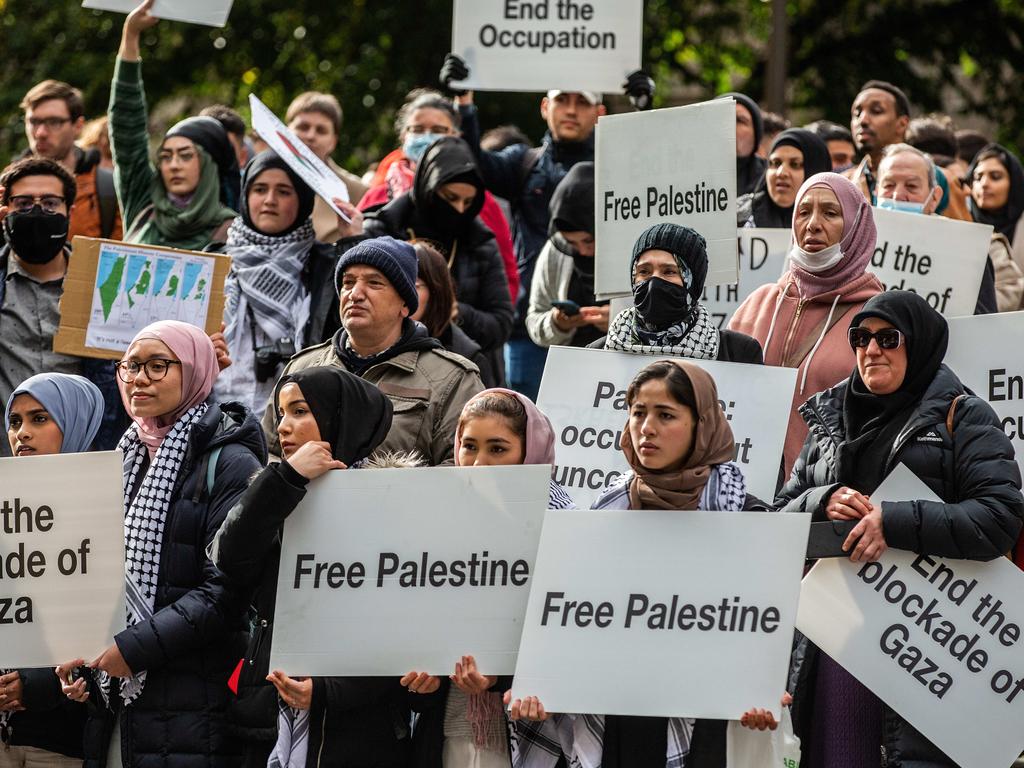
point(900, 205)
point(416, 144)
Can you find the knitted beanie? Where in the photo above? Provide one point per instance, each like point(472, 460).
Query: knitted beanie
point(687, 245)
point(395, 259)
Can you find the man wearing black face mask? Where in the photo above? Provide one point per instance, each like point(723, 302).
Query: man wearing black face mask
point(35, 204)
point(668, 268)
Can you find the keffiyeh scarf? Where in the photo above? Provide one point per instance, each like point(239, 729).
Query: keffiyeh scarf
point(292, 745)
point(144, 526)
point(698, 340)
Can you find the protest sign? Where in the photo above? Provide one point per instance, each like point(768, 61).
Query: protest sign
point(415, 568)
point(537, 45)
point(583, 392)
point(762, 260)
point(939, 258)
point(113, 290)
point(61, 557)
point(668, 165)
point(937, 640)
point(984, 352)
point(660, 613)
point(300, 158)
point(212, 13)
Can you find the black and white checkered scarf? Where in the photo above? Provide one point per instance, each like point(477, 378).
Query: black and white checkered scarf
point(698, 340)
point(144, 525)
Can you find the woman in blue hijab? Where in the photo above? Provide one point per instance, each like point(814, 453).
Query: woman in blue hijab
point(49, 413)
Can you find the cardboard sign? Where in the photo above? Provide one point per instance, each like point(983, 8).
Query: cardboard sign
point(939, 258)
point(412, 570)
point(113, 290)
point(212, 13)
point(300, 158)
point(663, 614)
point(668, 165)
point(583, 392)
point(939, 641)
point(538, 45)
point(762, 260)
point(61, 557)
point(984, 352)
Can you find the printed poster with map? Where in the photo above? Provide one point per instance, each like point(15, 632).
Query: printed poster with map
point(114, 289)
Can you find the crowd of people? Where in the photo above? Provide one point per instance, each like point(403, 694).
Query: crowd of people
point(413, 331)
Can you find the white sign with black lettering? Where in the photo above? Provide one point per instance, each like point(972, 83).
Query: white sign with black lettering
point(538, 45)
point(668, 165)
point(384, 571)
point(937, 640)
point(762, 260)
point(662, 613)
point(984, 352)
point(61, 557)
point(941, 259)
point(583, 392)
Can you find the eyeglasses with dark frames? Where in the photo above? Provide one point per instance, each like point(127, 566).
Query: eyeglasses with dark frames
point(155, 368)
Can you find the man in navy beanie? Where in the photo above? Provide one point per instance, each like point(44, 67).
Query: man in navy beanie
point(376, 284)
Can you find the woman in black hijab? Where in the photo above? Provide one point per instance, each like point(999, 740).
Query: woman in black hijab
point(749, 167)
point(442, 208)
point(900, 405)
point(328, 419)
point(996, 177)
point(795, 156)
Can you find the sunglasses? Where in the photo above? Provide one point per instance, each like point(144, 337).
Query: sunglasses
point(887, 338)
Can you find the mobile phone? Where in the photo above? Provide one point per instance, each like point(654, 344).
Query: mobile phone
point(826, 538)
point(569, 308)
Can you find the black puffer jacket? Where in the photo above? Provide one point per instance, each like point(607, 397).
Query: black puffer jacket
point(193, 642)
point(972, 470)
point(354, 721)
point(50, 720)
point(481, 285)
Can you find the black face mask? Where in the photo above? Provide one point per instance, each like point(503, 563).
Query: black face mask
point(661, 304)
point(36, 237)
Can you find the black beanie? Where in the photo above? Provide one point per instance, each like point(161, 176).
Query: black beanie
point(396, 260)
point(687, 245)
point(264, 161)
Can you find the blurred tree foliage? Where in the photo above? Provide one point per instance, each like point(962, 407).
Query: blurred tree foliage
point(369, 54)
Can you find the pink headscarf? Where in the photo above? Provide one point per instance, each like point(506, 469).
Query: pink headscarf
point(199, 370)
point(858, 239)
point(540, 437)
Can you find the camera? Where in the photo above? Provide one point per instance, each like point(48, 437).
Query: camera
point(270, 356)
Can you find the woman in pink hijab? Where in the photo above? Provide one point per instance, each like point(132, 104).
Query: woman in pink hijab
point(463, 722)
point(799, 320)
point(186, 462)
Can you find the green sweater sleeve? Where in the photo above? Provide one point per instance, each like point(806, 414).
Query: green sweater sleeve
point(129, 140)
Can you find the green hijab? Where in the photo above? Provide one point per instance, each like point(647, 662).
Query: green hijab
point(190, 227)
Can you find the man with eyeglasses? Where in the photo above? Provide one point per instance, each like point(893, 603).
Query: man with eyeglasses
point(54, 117)
point(34, 208)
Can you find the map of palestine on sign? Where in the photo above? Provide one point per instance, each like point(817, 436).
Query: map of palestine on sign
point(113, 290)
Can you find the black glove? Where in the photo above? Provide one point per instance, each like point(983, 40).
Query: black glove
point(454, 68)
point(639, 86)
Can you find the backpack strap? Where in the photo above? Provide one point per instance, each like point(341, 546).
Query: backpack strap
point(529, 161)
point(108, 201)
point(952, 413)
point(208, 473)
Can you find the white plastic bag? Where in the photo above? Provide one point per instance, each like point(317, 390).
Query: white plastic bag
point(747, 748)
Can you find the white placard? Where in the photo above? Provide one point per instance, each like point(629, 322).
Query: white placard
point(538, 45)
point(662, 613)
point(762, 260)
point(583, 392)
point(985, 353)
point(937, 640)
point(668, 165)
point(300, 158)
point(61, 557)
point(941, 259)
point(415, 567)
point(212, 13)
point(136, 286)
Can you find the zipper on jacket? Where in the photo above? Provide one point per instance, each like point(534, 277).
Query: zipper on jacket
point(792, 329)
point(323, 738)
